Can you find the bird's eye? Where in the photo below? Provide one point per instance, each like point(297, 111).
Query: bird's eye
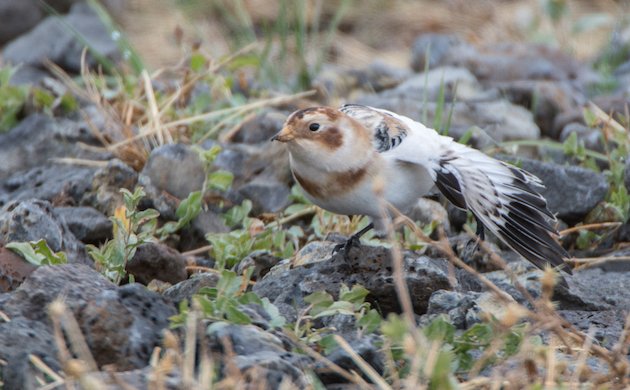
point(313, 127)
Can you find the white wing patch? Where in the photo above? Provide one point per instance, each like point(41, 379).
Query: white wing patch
point(499, 195)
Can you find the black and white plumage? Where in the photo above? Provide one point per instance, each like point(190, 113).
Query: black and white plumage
point(336, 156)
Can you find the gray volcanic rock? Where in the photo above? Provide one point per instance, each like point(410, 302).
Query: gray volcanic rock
point(38, 138)
point(53, 40)
point(87, 224)
point(571, 191)
point(157, 261)
point(368, 266)
point(121, 325)
point(32, 220)
point(255, 350)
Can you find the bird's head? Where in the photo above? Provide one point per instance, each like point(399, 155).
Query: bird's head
point(318, 133)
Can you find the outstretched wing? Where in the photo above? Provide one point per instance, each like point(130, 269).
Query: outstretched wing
point(500, 196)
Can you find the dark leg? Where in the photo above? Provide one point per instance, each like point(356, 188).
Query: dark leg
point(353, 241)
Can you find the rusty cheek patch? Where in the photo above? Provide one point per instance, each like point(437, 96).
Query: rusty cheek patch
point(331, 138)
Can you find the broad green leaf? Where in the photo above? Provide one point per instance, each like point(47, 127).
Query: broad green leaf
point(27, 251)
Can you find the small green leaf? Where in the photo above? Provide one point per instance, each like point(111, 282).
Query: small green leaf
point(356, 295)
point(27, 251)
point(277, 320)
point(370, 322)
point(440, 329)
point(320, 300)
point(38, 253)
point(235, 316)
point(328, 344)
point(395, 328)
point(220, 180)
point(197, 62)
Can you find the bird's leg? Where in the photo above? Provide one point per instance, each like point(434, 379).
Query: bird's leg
point(353, 241)
point(473, 244)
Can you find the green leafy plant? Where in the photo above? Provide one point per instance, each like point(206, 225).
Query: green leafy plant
point(132, 228)
point(12, 99)
point(221, 303)
point(38, 252)
point(187, 210)
point(351, 302)
point(250, 234)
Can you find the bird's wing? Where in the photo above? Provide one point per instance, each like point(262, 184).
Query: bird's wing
point(499, 195)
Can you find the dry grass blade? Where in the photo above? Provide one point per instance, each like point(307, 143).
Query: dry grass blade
point(243, 109)
point(80, 162)
point(4, 317)
point(362, 364)
point(592, 226)
point(607, 119)
point(190, 344)
point(583, 355)
point(44, 368)
point(589, 262)
point(60, 314)
point(163, 136)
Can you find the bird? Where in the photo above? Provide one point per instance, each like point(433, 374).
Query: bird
point(338, 155)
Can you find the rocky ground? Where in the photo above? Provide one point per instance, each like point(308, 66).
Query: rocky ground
point(59, 183)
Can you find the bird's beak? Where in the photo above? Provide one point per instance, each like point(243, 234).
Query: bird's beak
point(284, 135)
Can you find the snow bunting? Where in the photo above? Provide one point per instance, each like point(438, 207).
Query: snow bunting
point(336, 155)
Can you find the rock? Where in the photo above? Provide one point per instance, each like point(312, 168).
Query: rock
point(172, 172)
point(123, 326)
point(38, 138)
point(58, 184)
point(106, 185)
point(261, 127)
point(261, 260)
point(368, 347)
point(260, 356)
point(590, 136)
point(246, 162)
point(426, 211)
point(193, 236)
point(189, 287)
point(87, 224)
point(436, 46)
point(52, 39)
point(501, 120)
point(335, 81)
point(32, 220)
point(368, 266)
point(76, 283)
point(515, 61)
point(20, 338)
point(546, 99)
point(120, 325)
point(461, 308)
point(18, 16)
point(157, 261)
point(28, 75)
point(606, 324)
point(267, 195)
point(456, 83)
point(13, 270)
point(571, 191)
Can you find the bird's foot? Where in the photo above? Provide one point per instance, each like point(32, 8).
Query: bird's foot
point(344, 248)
